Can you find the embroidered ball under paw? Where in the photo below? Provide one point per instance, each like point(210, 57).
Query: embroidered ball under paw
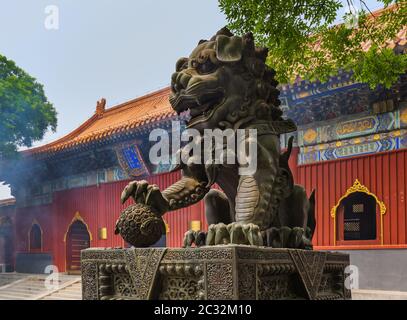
point(140, 225)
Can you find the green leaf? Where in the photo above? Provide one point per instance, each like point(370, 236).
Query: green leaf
point(25, 113)
point(304, 43)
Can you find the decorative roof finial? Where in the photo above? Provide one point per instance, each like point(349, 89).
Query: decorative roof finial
point(100, 106)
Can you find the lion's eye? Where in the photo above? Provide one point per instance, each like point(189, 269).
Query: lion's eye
point(206, 67)
point(194, 64)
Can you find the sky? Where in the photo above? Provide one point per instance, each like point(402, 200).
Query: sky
point(115, 49)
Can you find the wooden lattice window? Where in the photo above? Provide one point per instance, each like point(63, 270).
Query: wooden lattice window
point(358, 217)
point(358, 208)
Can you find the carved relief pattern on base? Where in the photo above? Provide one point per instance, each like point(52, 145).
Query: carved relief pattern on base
point(310, 265)
point(123, 285)
point(247, 281)
point(219, 281)
point(246, 273)
point(143, 265)
point(178, 288)
point(275, 287)
point(89, 281)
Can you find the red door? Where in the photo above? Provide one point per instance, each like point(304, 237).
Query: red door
point(77, 239)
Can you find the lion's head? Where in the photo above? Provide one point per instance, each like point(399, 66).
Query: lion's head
point(224, 83)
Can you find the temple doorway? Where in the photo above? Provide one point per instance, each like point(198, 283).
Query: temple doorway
point(77, 239)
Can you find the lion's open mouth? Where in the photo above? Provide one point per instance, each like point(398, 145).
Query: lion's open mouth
point(198, 103)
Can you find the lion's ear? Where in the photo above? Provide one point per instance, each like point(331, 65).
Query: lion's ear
point(229, 49)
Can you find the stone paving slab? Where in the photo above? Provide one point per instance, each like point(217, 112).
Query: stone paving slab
point(361, 294)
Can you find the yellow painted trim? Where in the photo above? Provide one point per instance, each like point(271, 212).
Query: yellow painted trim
point(358, 187)
point(78, 217)
point(35, 222)
point(334, 217)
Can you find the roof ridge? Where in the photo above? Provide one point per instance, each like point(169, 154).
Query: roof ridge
point(120, 124)
point(129, 104)
point(99, 134)
point(65, 137)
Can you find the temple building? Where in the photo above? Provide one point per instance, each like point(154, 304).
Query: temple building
point(351, 147)
point(68, 192)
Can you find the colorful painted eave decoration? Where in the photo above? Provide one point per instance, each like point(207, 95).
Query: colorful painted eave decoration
point(312, 102)
point(309, 102)
point(382, 142)
point(131, 160)
point(352, 127)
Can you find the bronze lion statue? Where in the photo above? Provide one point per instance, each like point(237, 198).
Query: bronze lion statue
point(226, 84)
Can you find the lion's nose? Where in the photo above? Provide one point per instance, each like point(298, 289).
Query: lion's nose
point(180, 80)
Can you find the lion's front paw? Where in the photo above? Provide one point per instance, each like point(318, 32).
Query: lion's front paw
point(234, 233)
point(144, 193)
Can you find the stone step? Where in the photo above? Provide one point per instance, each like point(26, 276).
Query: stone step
point(35, 284)
point(19, 290)
point(18, 295)
point(7, 280)
point(10, 275)
point(72, 291)
point(13, 296)
point(64, 292)
point(78, 284)
point(31, 283)
point(59, 298)
point(34, 287)
point(30, 288)
point(66, 296)
point(62, 296)
point(361, 294)
point(23, 291)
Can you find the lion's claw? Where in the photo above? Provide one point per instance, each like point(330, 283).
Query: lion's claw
point(286, 237)
point(191, 237)
point(218, 234)
point(136, 190)
point(234, 233)
point(143, 192)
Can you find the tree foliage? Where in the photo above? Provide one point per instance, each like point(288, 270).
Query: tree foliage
point(304, 41)
point(25, 113)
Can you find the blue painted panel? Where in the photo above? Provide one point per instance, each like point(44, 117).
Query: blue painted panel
point(131, 157)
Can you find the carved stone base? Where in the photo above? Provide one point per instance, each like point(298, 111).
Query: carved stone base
point(213, 273)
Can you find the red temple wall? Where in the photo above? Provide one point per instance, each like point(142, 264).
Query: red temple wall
point(99, 206)
point(385, 175)
point(24, 219)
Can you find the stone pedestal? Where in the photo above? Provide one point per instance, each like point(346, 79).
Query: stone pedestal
point(213, 273)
